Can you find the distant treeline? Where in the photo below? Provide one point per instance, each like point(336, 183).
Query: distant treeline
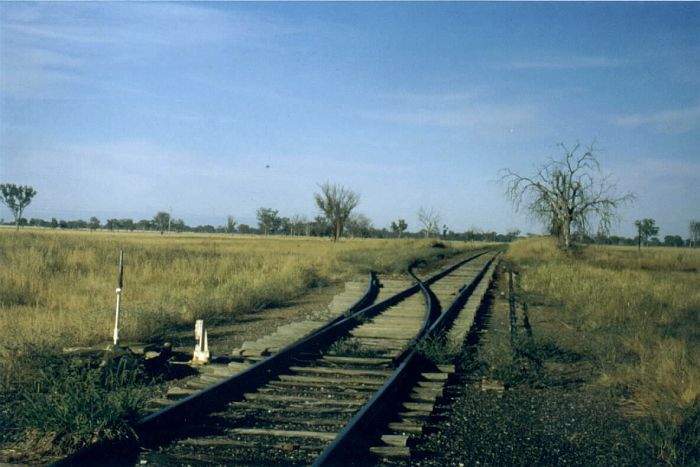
point(319, 227)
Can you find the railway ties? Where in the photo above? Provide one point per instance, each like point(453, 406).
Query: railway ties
point(291, 419)
point(304, 401)
point(420, 411)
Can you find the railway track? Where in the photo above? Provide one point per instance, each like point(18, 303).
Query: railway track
point(324, 400)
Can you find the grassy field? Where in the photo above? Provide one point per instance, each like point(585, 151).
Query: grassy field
point(638, 317)
point(58, 289)
point(59, 286)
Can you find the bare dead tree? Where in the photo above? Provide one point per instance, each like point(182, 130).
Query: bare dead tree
point(567, 194)
point(430, 219)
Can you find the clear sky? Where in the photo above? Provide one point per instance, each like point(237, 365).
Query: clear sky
point(210, 109)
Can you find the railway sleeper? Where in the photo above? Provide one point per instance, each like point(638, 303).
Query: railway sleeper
point(306, 400)
point(272, 433)
point(369, 361)
point(335, 371)
point(245, 405)
point(355, 381)
point(290, 385)
point(313, 393)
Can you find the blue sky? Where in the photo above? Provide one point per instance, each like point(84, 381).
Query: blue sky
point(124, 109)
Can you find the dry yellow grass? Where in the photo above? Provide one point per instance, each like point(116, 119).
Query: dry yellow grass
point(640, 316)
point(58, 289)
point(60, 286)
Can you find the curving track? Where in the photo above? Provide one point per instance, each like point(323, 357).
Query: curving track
point(318, 400)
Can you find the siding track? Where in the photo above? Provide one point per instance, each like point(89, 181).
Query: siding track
point(323, 400)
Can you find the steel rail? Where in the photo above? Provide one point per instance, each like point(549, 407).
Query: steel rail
point(84, 455)
point(156, 428)
point(364, 428)
point(159, 428)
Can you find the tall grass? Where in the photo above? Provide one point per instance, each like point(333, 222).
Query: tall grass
point(58, 289)
point(60, 286)
point(639, 315)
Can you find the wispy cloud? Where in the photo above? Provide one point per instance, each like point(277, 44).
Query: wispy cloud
point(44, 48)
point(472, 117)
point(666, 121)
point(566, 63)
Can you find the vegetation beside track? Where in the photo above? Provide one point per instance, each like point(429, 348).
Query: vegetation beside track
point(609, 374)
point(636, 314)
point(57, 289)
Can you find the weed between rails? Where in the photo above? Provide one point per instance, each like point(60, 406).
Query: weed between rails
point(636, 317)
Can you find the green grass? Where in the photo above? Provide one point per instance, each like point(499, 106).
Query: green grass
point(63, 403)
point(637, 316)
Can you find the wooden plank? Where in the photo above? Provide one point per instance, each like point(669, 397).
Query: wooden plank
point(431, 384)
point(340, 371)
point(285, 385)
point(358, 360)
point(327, 381)
point(178, 392)
point(293, 409)
point(283, 433)
point(391, 451)
point(396, 440)
point(424, 396)
point(419, 406)
point(435, 376)
point(406, 427)
point(305, 400)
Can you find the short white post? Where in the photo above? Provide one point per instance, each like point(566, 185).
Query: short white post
point(119, 297)
point(201, 349)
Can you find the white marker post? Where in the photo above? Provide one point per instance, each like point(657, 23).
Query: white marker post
point(201, 349)
point(119, 296)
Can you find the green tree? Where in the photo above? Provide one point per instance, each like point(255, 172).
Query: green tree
point(646, 228)
point(230, 224)
point(268, 220)
point(112, 224)
point(399, 227)
point(178, 225)
point(359, 225)
point(673, 240)
point(567, 195)
point(16, 198)
point(162, 221)
point(245, 229)
point(94, 223)
point(336, 202)
point(127, 224)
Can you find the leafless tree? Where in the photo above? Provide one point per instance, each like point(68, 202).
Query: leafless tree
point(297, 224)
point(694, 232)
point(430, 219)
point(567, 194)
point(336, 202)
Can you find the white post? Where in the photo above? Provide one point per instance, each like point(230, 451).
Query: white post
point(201, 349)
point(115, 336)
point(116, 319)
